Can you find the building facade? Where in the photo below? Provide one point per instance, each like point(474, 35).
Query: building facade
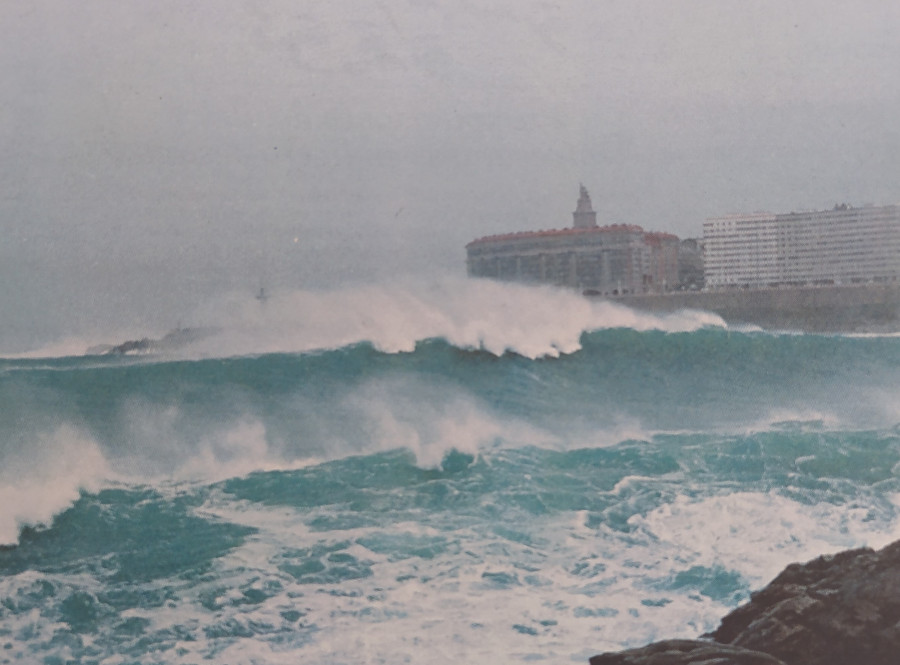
point(845, 245)
point(690, 265)
point(609, 260)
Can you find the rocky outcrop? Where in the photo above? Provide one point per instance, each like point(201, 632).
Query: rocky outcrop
point(834, 610)
point(171, 341)
point(686, 652)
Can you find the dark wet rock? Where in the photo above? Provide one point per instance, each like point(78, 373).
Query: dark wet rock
point(171, 341)
point(843, 608)
point(686, 652)
point(833, 610)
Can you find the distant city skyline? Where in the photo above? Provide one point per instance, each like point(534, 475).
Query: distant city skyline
point(158, 155)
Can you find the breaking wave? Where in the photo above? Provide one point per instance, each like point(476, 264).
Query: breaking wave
point(516, 473)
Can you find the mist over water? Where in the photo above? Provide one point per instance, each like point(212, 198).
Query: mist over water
point(466, 471)
point(416, 471)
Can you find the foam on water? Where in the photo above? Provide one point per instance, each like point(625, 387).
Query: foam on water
point(46, 476)
point(415, 494)
point(499, 570)
point(433, 420)
point(532, 321)
point(757, 534)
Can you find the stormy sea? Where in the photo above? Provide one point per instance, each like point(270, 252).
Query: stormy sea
point(455, 473)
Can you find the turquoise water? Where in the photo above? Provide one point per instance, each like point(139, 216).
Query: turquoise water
point(429, 497)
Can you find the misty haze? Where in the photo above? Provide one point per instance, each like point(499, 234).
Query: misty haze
point(270, 392)
point(159, 155)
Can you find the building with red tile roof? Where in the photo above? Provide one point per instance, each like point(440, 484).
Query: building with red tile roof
point(615, 259)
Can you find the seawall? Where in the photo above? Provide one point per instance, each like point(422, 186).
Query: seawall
point(862, 308)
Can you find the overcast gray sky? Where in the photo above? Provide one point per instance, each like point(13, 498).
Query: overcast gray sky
point(157, 153)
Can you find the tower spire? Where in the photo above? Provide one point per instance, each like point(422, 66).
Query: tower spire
point(584, 216)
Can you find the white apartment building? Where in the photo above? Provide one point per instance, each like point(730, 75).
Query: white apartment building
point(845, 245)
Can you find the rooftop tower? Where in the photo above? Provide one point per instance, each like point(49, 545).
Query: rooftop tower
point(584, 216)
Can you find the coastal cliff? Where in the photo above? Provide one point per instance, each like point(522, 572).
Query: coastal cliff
point(833, 610)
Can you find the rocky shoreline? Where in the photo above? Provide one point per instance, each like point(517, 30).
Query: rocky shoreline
point(837, 609)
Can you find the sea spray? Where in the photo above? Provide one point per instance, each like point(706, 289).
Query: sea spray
point(43, 475)
point(482, 488)
point(469, 314)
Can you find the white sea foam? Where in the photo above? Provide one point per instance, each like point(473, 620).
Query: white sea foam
point(487, 599)
point(432, 420)
point(428, 418)
point(561, 593)
point(758, 534)
point(233, 451)
point(45, 477)
point(159, 443)
point(532, 321)
point(781, 416)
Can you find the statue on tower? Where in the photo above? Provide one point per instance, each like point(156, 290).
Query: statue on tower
point(584, 216)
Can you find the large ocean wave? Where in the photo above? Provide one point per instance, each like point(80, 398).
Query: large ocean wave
point(532, 321)
point(491, 472)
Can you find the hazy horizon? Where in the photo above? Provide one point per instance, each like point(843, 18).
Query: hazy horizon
point(160, 155)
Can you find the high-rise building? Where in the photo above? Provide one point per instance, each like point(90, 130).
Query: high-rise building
point(845, 245)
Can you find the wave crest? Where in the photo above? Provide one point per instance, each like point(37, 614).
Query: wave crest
point(47, 477)
point(532, 321)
